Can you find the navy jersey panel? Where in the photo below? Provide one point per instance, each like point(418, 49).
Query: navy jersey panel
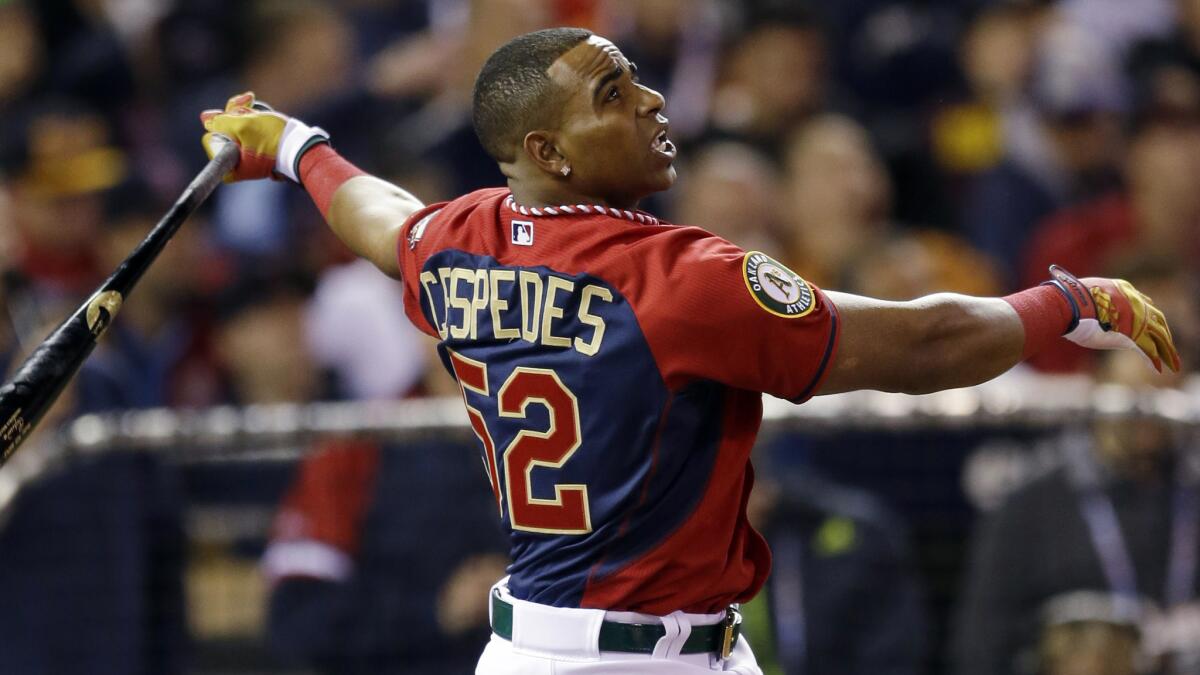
point(691, 422)
point(620, 401)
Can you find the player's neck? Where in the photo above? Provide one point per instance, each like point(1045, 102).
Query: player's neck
point(537, 196)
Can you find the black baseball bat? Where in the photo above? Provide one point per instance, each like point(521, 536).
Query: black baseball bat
point(42, 377)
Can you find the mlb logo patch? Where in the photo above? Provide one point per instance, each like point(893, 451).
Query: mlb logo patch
point(522, 232)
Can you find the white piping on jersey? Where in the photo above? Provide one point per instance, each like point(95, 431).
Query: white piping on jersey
point(563, 210)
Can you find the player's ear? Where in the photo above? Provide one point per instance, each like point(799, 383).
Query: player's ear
point(539, 146)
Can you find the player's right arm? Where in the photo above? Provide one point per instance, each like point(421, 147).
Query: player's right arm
point(365, 212)
point(932, 343)
point(711, 311)
point(946, 340)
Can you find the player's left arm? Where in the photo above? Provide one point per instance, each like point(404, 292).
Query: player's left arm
point(365, 212)
point(368, 214)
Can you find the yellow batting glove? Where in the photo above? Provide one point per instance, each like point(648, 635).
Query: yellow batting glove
point(1112, 314)
point(271, 143)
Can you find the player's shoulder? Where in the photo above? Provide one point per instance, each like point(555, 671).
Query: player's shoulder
point(684, 244)
point(470, 204)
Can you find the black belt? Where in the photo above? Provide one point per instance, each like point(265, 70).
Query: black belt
point(640, 638)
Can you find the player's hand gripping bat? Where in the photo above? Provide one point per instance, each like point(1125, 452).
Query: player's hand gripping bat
point(41, 378)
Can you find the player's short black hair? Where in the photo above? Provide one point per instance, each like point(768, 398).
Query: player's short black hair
point(511, 92)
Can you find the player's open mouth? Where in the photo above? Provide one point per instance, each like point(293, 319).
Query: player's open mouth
point(663, 145)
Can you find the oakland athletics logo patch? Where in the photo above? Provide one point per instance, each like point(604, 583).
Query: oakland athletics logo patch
point(775, 288)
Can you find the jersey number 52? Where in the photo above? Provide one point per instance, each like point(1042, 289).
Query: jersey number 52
point(568, 511)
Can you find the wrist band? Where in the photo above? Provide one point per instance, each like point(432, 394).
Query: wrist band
point(296, 139)
point(322, 172)
point(1045, 313)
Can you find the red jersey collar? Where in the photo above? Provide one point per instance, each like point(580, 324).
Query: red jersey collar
point(578, 209)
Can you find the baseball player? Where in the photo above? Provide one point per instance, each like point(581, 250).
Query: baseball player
point(612, 364)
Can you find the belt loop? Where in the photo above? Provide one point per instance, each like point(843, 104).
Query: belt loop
point(678, 628)
point(663, 648)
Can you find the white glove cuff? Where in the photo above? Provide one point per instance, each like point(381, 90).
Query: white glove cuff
point(1090, 334)
point(297, 137)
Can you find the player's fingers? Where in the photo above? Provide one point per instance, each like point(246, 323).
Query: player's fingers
point(1149, 348)
point(1162, 345)
point(1165, 345)
point(1157, 319)
point(206, 117)
point(242, 100)
point(1161, 330)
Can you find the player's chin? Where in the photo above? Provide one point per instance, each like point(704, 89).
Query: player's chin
point(662, 178)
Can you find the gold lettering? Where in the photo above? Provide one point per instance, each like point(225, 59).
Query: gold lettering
point(427, 279)
point(13, 432)
point(531, 307)
point(461, 275)
point(500, 305)
point(585, 303)
point(444, 275)
point(15, 427)
point(553, 285)
point(479, 300)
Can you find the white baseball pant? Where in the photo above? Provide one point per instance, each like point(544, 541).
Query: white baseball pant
point(564, 641)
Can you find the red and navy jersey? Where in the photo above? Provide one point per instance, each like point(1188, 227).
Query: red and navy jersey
point(611, 366)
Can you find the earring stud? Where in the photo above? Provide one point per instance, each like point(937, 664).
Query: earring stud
point(565, 170)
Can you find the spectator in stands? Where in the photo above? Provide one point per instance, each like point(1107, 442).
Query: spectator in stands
point(910, 264)
point(22, 66)
point(837, 210)
point(1059, 150)
point(358, 584)
point(732, 190)
point(1082, 634)
point(257, 341)
point(57, 196)
point(837, 198)
point(259, 344)
point(439, 67)
point(775, 75)
point(1165, 68)
point(94, 551)
point(1156, 216)
point(85, 57)
point(356, 328)
point(158, 351)
point(894, 61)
point(1111, 537)
point(996, 57)
point(843, 597)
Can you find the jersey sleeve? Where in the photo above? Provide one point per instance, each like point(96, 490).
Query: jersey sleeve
point(713, 311)
point(412, 255)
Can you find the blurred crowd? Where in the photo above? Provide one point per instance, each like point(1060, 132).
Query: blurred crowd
point(886, 147)
point(883, 147)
